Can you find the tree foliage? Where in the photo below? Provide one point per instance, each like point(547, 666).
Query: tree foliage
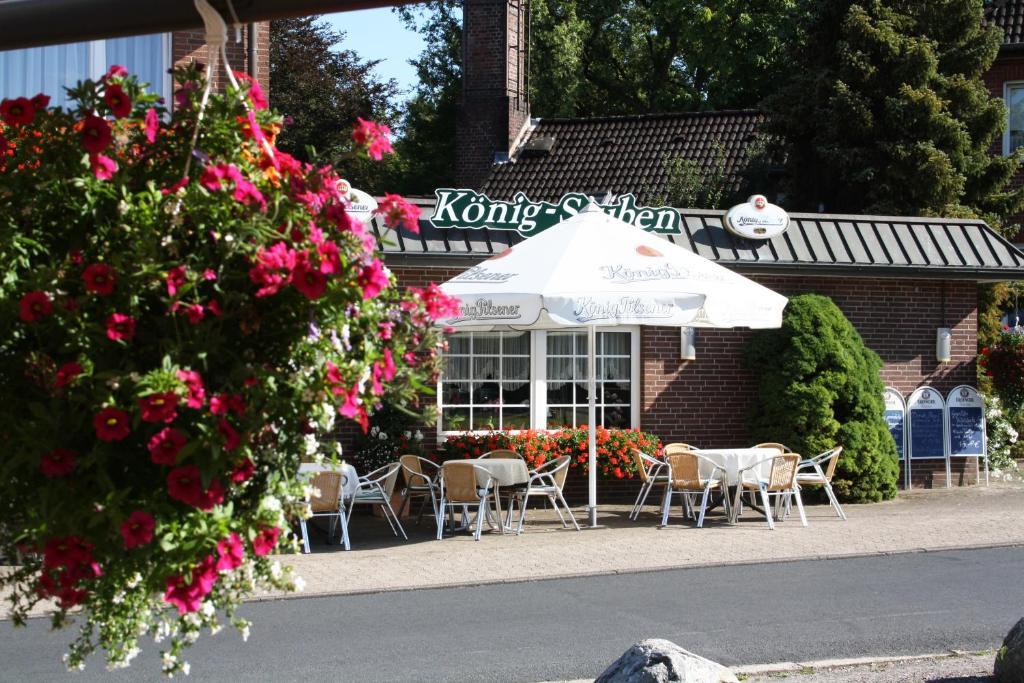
point(820, 386)
point(322, 88)
point(885, 111)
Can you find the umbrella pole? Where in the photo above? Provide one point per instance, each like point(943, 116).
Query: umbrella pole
point(592, 416)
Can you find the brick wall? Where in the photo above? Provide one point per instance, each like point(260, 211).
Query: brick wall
point(494, 104)
point(704, 401)
point(1007, 68)
point(190, 46)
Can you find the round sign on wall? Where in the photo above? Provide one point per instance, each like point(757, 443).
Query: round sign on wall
point(361, 205)
point(756, 219)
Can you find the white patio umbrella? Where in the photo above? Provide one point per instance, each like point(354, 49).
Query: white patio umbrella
point(594, 269)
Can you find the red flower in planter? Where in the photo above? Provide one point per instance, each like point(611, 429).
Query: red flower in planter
point(66, 374)
point(59, 462)
point(138, 529)
point(196, 391)
point(118, 101)
point(120, 327)
point(35, 306)
point(265, 541)
point(188, 597)
point(96, 134)
point(310, 282)
point(111, 424)
point(162, 407)
point(231, 438)
point(99, 278)
point(102, 166)
point(230, 553)
point(211, 497)
point(184, 484)
point(165, 446)
point(243, 471)
point(17, 112)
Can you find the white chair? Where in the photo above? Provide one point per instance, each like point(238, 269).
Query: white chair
point(328, 502)
point(420, 481)
point(780, 482)
point(460, 488)
point(818, 471)
point(651, 471)
point(376, 488)
point(546, 480)
point(685, 479)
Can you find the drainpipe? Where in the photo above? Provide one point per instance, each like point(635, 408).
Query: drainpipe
point(250, 56)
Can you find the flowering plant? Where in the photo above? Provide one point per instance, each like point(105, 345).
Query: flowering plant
point(166, 342)
point(393, 433)
point(614, 447)
point(1004, 363)
point(1002, 437)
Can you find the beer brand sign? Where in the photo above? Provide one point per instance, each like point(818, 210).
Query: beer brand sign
point(468, 209)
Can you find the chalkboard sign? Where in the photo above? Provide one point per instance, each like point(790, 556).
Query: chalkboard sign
point(896, 418)
point(965, 422)
point(927, 425)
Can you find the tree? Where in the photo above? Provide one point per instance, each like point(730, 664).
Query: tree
point(323, 88)
point(885, 111)
point(820, 386)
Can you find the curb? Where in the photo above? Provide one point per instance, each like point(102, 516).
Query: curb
point(812, 666)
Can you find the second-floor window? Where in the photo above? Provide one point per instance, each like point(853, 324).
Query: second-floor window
point(1015, 130)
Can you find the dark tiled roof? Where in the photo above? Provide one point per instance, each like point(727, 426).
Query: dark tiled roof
point(621, 154)
point(1009, 16)
point(814, 244)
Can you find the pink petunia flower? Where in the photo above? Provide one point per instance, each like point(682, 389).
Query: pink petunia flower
point(398, 213)
point(372, 138)
point(151, 125)
point(230, 553)
point(120, 327)
point(102, 166)
point(373, 279)
point(265, 541)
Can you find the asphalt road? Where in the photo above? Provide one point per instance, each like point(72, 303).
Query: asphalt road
point(572, 628)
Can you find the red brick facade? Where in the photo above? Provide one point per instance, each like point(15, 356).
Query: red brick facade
point(704, 401)
point(188, 46)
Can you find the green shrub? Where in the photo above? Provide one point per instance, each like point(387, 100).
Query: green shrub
point(820, 387)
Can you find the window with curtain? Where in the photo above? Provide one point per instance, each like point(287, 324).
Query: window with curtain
point(1015, 106)
point(53, 68)
point(486, 382)
point(567, 388)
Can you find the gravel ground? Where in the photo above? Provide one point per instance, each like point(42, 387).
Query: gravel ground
point(959, 668)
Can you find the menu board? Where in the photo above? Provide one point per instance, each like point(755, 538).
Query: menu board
point(966, 422)
point(927, 424)
point(896, 418)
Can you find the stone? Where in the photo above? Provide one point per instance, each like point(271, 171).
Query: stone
point(662, 661)
point(1010, 657)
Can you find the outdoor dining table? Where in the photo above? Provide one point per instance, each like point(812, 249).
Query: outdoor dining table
point(733, 460)
point(350, 478)
point(502, 472)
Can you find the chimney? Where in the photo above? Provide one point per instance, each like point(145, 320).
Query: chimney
point(495, 105)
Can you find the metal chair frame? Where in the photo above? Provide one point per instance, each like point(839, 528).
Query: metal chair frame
point(483, 492)
point(818, 471)
point(766, 490)
point(546, 480)
point(650, 471)
point(502, 453)
point(339, 516)
point(376, 488)
point(704, 489)
point(412, 490)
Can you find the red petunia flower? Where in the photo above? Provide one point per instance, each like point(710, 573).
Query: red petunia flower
point(231, 438)
point(118, 101)
point(230, 553)
point(195, 313)
point(17, 112)
point(259, 100)
point(161, 407)
point(66, 374)
point(40, 101)
point(265, 541)
point(120, 327)
point(111, 424)
point(165, 446)
point(138, 529)
point(196, 391)
point(102, 166)
point(242, 472)
point(310, 282)
point(211, 497)
point(188, 597)
point(175, 187)
point(373, 279)
point(59, 462)
point(372, 138)
point(99, 278)
point(96, 134)
point(185, 484)
point(175, 279)
point(35, 306)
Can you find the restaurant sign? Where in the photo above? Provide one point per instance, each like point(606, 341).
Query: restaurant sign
point(756, 219)
point(469, 209)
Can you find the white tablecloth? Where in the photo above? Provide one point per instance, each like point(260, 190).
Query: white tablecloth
point(735, 459)
point(505, 471)
point(348, 484)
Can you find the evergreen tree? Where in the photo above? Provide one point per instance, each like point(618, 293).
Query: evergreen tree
point(819, 387)
point(885, 111)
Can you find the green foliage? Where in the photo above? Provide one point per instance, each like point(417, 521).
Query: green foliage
point(322, 88)
point(393, 433)
point(693, 185)
point(820, 387)
point(885, 111)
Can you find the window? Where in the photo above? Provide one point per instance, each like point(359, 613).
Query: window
point(486, 381)
point(53, 68)
point(1014, 97)
point(523, 380)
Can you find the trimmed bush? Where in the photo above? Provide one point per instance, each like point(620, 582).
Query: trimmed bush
point(821, 387)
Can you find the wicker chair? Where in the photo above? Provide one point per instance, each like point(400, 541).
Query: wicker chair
point(420, 482)
point(651, 474)
point(818, 471)
point(546, 480)
point(460, 488)
point(376, 488)
point(679, 447)
point(328, 503)
point(502, 454)
point(772, 444)
point(685, 478)
point(780, 482)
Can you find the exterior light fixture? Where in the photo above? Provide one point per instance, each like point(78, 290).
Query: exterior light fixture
point(688, 343)
point(943, 345)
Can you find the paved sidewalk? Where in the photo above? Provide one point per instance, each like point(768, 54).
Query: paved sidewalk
point(915, 521)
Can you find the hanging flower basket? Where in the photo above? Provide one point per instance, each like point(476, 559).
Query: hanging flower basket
point(167, 341)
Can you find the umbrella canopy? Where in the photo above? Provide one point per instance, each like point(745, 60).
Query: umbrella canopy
point(594, 269)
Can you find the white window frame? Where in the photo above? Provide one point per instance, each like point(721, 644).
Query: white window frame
point(1007, 86)
point(538, 381)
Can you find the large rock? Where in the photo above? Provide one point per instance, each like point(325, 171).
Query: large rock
point(661, 661)
point(1010, 658)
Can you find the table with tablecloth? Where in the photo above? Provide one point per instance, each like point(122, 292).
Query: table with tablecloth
point(733, 461)
point(502, 472)
point(349, 480)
